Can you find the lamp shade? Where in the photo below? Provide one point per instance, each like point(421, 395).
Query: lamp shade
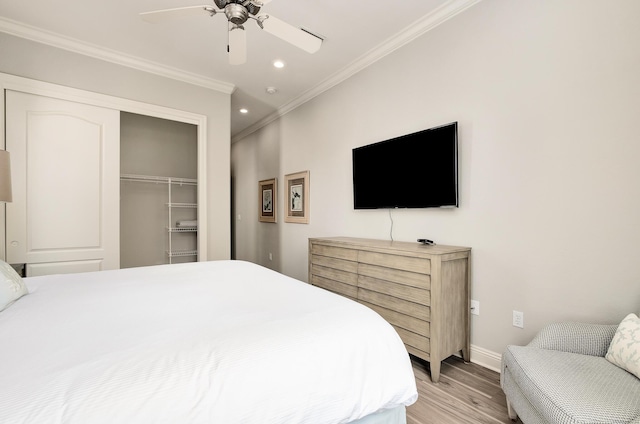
point(5, 177)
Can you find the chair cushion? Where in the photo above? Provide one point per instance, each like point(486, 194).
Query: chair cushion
point(624, 350)
point(573, 388)
point(576, 337)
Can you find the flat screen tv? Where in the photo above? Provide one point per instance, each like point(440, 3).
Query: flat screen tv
point(418, 170)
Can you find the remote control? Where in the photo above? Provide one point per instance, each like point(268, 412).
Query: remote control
point(425, 241)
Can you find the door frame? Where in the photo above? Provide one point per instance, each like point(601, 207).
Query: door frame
point(26, 85)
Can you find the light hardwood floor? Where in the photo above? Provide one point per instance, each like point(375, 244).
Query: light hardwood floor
point(466, 394)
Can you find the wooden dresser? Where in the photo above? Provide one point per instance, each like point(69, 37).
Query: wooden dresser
point(423, 291)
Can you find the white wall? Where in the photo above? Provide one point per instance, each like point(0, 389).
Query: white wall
point(547, 94)
point(253, 240)
point(41, 62)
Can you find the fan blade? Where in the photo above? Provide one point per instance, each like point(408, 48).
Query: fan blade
point(291, 34)
point(178, 12)
point(237, 45)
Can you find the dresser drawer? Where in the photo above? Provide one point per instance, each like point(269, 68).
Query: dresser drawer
point(420, 354)
point(414, 340)
point(335, 274)
point(334, 252)
point(412, 294)
point(406, 263)
point(395, 304)
point(398, 319)
point(335, 286)
point(412, 279)
point(331, 262)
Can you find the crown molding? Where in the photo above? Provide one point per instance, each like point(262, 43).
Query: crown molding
point(38, 35)
point(413, 31)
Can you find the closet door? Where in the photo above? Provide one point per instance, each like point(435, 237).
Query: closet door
point(65, 164)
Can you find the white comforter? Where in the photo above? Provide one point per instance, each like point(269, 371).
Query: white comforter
point(212, 342)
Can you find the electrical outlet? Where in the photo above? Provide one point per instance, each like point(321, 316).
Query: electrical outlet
point(518, 319)
point(475, 307)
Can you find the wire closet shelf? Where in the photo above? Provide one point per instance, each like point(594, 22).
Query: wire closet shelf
point(170, 205)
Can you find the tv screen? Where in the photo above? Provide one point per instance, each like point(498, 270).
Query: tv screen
point(418, 170)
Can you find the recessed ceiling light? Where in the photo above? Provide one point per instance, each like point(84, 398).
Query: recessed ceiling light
point(244, 110)
point(271, 90)
point(278, 64)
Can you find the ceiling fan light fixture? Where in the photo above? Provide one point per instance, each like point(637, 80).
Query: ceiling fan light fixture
point(252, 6)
point(236, 13)
point(220, 3)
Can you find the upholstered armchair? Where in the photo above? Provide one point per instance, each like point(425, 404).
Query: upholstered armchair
point(562, 376)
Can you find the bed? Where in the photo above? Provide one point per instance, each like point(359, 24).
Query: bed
point(207, 342)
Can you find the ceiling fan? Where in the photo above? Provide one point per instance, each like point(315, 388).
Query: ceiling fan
point(237, 13)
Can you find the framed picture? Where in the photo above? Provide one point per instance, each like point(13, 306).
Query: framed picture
point(297, 197)
point(267, 190)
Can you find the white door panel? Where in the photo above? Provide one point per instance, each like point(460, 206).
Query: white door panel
point(65, 164)
point(71, 188)
point(35, 270)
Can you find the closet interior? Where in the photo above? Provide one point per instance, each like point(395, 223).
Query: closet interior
point(158, 191)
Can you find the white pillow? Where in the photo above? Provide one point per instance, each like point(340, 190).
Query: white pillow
point(624, 350)
point(11, 285)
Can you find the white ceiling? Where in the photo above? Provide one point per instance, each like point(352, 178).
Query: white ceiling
point(355, 32)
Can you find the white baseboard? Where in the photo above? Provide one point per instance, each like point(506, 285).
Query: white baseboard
point(486, 358)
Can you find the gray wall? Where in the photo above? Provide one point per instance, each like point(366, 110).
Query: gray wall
point(41, 62)
point(547, 95)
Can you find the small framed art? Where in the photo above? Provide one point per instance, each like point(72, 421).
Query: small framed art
point(297, 197)
point(267, 190)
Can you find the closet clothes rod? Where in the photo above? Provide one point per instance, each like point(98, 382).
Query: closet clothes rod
point(158, 179)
